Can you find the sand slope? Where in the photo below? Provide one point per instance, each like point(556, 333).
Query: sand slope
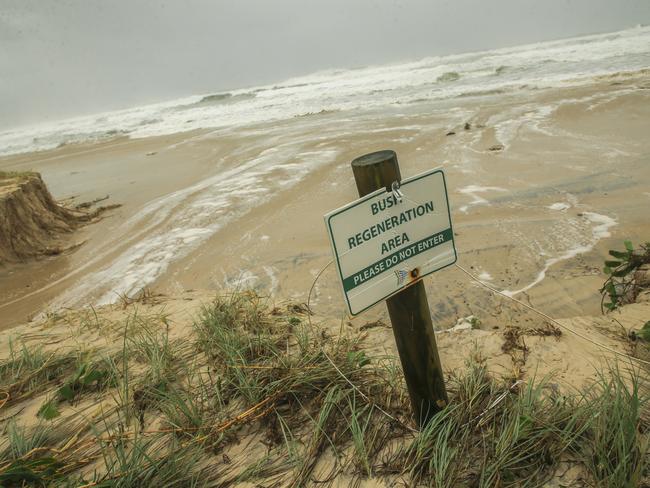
point(537, 350)
point(31, 222)
point(515, 353)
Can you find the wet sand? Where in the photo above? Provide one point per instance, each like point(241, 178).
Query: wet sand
point(225, 208)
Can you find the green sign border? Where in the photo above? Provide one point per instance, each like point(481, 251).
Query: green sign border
point(447, 235)
point(373, 195)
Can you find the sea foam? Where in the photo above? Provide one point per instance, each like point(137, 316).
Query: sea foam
point(601, 225)
point(567, 62)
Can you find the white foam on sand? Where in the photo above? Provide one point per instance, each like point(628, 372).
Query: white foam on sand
point(348, 92)
point(485, 276)
point(600, 230)
point(559, 206)
point(462, 324)
point(508, 123)
point(245, 279)
point(171, 227)
point(273, 279)
point(473, 191)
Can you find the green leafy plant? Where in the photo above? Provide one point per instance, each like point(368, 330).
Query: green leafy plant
point(644, 333)
point(88, 377)
point(49, 410)
point(34, 472)
point(29, 370)
point(621, 285)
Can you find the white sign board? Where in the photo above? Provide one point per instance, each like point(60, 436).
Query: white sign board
point(382, 245)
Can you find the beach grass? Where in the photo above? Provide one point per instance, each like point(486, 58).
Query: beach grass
point(29, 370)
point(256, 394)
point(16, 175)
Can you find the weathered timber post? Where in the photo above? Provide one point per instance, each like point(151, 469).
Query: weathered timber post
point(408, 309)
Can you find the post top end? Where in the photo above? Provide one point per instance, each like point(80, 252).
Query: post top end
point(375, 158)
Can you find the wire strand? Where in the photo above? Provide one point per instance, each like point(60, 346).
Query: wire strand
point(551, 319)
point(509, 297)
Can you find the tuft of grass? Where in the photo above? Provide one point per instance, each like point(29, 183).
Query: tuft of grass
point(435, 456)
point(29, 370)
point(20, 440)
point(270, 468)
point(243, 311)
point(17, 175)
point(149, 345)
point(497, 434)
point(184, 411)
point(302, 378)
point(255, 373)
point(29, 454)
point(526, 440)
point(158, 461)
point(364, 435)
point(22, 361)
point(614, 446)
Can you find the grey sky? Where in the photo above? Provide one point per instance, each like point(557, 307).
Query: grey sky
point(63, 58)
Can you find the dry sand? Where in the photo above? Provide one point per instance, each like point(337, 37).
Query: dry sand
point(571, 182)
point(566, 362)
point(569, 361)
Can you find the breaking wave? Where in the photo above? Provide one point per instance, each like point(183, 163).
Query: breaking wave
point(567, 62)
point(448, 76)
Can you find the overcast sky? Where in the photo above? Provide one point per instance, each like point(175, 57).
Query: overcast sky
point(60, 58)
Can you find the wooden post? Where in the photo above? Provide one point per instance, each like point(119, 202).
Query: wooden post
point(408, 309)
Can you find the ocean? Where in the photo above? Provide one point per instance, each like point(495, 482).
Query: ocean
point(560, 63)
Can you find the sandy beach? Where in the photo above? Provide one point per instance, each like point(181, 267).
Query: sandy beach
point(541, 185)
point(171, 312)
